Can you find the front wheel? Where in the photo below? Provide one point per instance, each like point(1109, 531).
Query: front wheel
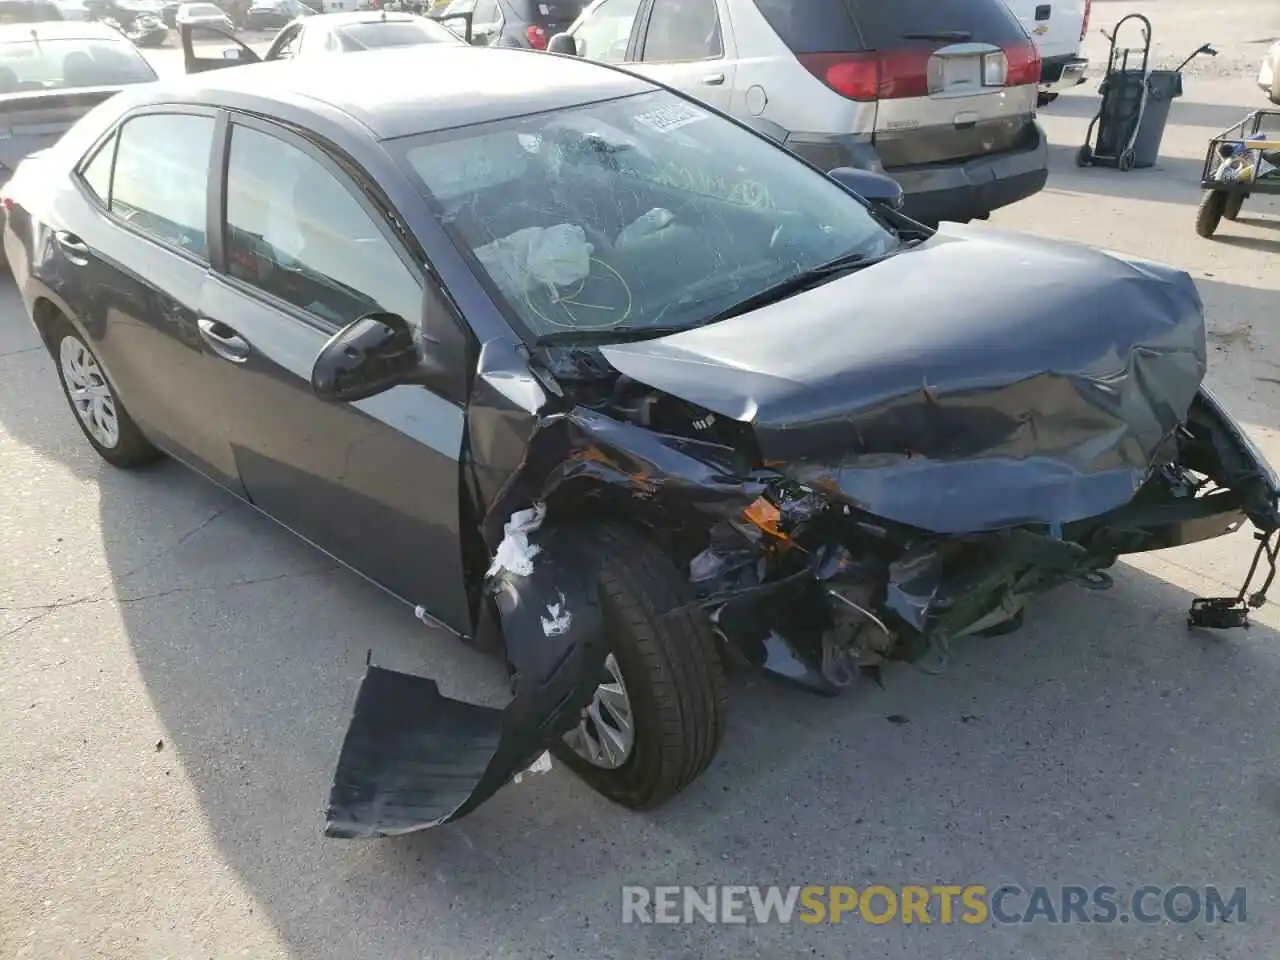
point(658, 715)
point(1212, 206)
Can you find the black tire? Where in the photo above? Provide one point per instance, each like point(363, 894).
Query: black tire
point(671, 669)
point(1084, 156)
point(1212, 206)
point(1231, 209)
point(131, 449)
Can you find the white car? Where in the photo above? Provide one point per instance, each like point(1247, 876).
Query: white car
point(1269, 73)
point(203, 15)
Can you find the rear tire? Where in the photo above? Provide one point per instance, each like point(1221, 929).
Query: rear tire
point(670, 669)
point(101, 416)
point(1212, 206)
point(1231, 209)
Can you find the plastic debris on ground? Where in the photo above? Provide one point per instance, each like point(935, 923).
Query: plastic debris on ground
point(541, 765)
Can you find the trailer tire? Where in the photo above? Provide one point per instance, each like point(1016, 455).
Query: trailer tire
point(1212, 206)
point(1231, 209)
point(670, 669)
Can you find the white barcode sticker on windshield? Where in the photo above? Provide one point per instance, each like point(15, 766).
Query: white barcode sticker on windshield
point(671, 118)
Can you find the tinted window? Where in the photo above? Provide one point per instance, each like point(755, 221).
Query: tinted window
point(812, 26)
point(885, 25)
point(546, 11)
point(295, 231)
point(632, 213)
point(395, 33)
point(605, 32)
point(683, 30)
point(161, 177)
point(97, 172)
point(60, 64)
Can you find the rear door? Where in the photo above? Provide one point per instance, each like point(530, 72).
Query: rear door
point(686, 44)
point(137, 260)
point(956, 80)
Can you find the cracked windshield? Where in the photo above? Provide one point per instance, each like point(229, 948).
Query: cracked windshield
point(635, 217)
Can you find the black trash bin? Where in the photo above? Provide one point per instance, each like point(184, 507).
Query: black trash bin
point(1163, 87)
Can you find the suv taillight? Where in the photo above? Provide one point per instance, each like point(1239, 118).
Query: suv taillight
point(1024, 65)
point(872, 76)
point(537, 37)
point(1088, 9)
point(894, 75)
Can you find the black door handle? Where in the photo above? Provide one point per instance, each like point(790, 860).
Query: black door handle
point(223, 341)
point(76, 249)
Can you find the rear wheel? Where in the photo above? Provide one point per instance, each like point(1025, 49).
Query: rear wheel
point(1212, 205)
point(658, 716)
point(103, 419)
point(1231, 209)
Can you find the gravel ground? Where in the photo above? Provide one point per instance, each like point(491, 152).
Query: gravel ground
point(177, 675)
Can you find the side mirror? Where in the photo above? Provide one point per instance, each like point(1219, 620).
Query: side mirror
point(563, 43)
point(874, 187)
point(372, 354)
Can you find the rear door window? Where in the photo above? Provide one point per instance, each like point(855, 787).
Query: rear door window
point(887, 25)
point(683, 30)
point(606, 31)
point(160, 183)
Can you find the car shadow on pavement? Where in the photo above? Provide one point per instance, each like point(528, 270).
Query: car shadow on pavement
point(1171, 180)
point(1183, 113)
point(250, 646)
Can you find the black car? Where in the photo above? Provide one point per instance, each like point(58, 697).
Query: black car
point(602, 380)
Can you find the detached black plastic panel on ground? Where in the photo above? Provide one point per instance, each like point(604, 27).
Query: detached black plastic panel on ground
point(414, 759)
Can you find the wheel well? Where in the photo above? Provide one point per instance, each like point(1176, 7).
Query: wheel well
point(43, 314)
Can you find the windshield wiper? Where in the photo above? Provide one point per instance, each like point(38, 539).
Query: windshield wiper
point(955, 36)
point(604, 335)
point(803, 280)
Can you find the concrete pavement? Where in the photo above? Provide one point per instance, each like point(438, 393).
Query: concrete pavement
point(176, 675)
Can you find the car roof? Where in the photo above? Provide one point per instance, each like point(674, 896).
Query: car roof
point(58, 30)
point(345, 18)
point(398, 91)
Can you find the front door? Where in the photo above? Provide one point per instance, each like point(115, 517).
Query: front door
point(138, 253)
point(686, 44)
point(375, 483)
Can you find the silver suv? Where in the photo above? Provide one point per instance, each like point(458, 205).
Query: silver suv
point(939, 95)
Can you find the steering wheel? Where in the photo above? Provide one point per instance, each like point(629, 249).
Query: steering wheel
point(599, 301)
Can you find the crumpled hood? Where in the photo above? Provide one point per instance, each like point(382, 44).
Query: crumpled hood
point(985, 379)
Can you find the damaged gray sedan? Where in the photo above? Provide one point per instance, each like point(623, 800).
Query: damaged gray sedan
point(601, 380)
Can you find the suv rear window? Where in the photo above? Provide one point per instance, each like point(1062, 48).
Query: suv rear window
point(842, 26)
point(812, 26)
point(886, 24)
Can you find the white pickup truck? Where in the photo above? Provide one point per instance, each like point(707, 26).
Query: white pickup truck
point(1057, 27)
